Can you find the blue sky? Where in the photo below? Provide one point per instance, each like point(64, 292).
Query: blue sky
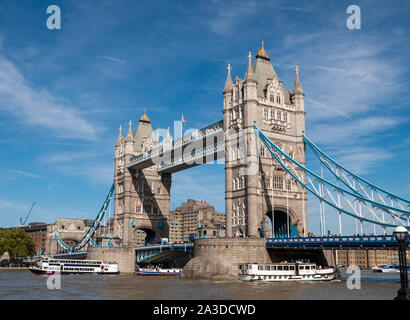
point(64, 93)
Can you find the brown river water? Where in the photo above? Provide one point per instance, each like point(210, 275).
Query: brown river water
point(22, 285)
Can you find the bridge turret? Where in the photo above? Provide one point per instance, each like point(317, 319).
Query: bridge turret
point(129, 143)
point(250, 169)
point(298, 96)
point(118, 145)
point(298, 99)
point(228, 83)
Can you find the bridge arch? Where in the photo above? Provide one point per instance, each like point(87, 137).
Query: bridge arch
point(281, 221)
point(143, 235)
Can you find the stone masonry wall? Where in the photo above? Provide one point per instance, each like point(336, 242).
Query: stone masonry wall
point(125, 257)
point(219, 258)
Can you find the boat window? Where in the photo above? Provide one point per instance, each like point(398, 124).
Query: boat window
point(267, 267)
point(301, 267)
point(273, 267)
point(279, 267)
point(313, 267)
point(260, 267)
point(285, 267)
point(291, 267)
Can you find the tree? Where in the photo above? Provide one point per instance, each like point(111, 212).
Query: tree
point(17, 243)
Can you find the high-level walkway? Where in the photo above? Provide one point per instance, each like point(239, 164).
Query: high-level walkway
point(201, 146)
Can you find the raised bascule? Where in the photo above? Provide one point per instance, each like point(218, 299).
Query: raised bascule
point(262, 140)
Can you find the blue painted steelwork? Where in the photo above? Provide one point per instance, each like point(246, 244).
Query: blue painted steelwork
point(355, 183)
point(144, 253)
point(396, 214)
point(327, 161)
point(146, 158)
point(87, 238)
point(341, 242)
point(71, 255)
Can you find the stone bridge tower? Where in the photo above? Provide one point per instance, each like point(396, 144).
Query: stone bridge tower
point(260, 198)
point(141, 206)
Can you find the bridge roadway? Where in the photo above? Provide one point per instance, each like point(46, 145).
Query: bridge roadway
point(163, 252)
point(336, 242)
point(158, 253)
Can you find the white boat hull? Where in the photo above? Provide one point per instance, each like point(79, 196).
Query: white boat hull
point(286, 272)
point(327, 277)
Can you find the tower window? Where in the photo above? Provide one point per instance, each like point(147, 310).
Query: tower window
point(278, 182)
point(241, 182)
point(289, 185)
point(147, 208)
point(276, 115)
point(272, 97)
point(265, 113)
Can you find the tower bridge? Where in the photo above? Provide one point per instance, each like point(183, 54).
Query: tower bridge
point(263, 142)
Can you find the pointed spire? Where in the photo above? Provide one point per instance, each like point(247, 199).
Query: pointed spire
point(129, 134)
point(297, 88)
point(228, 82)
point(250, 74)
point(120, 137)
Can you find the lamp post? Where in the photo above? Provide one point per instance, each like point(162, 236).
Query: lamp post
point(400, 233)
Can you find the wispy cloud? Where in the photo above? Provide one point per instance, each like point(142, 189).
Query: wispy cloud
point(113, 59)
point(96, 173)
point(349, 76)
point(226, 16)
point(38, 107)
point(26, 174)
point(361, 160)
point(351, 131)
point(9, 174)
point(66, 157)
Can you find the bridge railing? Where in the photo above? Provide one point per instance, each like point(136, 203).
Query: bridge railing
point(191, 157)
point(181, 142)
point(162, 246)
point(336, 241)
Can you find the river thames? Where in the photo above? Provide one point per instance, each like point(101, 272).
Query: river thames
point(22, 285)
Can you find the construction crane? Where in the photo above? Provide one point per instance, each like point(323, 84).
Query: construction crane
point(23, 223)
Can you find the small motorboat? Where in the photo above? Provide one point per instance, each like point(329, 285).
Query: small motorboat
point(157, 271)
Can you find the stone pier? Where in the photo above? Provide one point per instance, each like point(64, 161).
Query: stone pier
point(125, 257)
point(218, 259)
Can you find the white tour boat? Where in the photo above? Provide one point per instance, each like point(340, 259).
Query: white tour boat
point(157, 271)
point(286, 271)
point(74, 266)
